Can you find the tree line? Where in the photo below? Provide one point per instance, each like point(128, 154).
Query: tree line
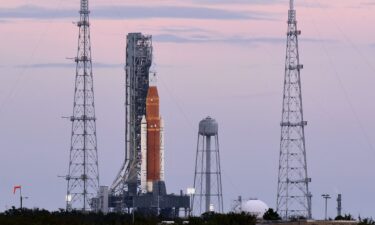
point(43, 217)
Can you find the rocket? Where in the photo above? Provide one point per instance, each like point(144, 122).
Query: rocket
point(152, 142)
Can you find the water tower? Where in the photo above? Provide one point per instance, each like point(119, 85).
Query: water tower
point(208, 196)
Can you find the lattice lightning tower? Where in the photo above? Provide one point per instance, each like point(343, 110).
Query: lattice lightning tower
point(83, 176)
point(293, 196)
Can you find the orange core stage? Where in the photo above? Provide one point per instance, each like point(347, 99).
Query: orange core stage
point(153, 135)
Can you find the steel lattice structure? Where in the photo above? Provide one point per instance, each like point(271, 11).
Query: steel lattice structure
point(293, 196)
point(138, 63)
point(83, 176)
point(207, 177)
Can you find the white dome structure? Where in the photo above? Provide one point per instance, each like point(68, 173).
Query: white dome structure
point(254, 207)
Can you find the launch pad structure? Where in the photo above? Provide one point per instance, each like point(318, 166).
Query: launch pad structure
point(139, 185)
point(138, 63)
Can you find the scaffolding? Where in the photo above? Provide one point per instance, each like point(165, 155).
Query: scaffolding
point(138, 63)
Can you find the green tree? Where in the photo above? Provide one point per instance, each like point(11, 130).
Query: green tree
point(347, 217)
point(366, 221)
point(271, 215)
point(43, 217)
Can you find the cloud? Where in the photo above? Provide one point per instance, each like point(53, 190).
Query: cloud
point(137, 12)
point(361, 5)
point(35, 12)
point(252, 2)
point(67, 65)
point(206, 39)
point(134, 12)
point(309, 4)
point(243, 40)
point(183, 29)
point(368, 3)
point(46, 65)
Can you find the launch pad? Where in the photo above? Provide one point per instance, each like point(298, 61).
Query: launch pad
point(154, 203)
point(139, 185)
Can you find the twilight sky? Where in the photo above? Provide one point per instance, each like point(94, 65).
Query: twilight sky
point(213, 57)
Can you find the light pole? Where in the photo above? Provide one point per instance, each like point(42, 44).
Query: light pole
point(68, 200)
point(190, 192)
point(21, 199)
point(326, 197)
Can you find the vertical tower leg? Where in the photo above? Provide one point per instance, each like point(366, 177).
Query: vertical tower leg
point(208, 173)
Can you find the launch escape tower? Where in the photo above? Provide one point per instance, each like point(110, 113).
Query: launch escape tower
point(207, 176)
point(138, 63)
point(83, 176)
point(293, 196)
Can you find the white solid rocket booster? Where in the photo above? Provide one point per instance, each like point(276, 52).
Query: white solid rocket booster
point(144, 155)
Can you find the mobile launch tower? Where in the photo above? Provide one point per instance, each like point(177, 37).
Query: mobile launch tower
point(139, 185)
point(293, 195)
point(138, 63)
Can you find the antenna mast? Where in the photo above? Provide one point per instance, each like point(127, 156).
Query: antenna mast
point(293, 196)
point(83, 176)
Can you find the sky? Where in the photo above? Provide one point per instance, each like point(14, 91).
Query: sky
point(213, 57)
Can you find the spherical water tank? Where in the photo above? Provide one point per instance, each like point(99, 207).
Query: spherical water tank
point(255, 207)
point(208, 127)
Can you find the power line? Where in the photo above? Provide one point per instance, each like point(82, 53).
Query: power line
point(25, 68)
point(342, 86)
